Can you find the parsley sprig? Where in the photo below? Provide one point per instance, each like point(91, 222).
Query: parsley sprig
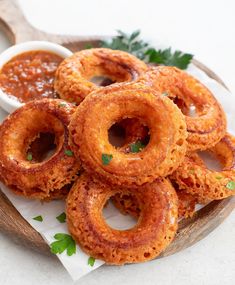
point(231, 185)
point(68, 152)
point(61, 218)
point(63, 242)
point(38, 218)
point(29, 156)
point(129, 43)
point(136, 147)
point(91, 261)
point(167, 57)
point(106, 158)
point(141, 49)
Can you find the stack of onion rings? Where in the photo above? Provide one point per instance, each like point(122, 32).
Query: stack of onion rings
point(155, 176)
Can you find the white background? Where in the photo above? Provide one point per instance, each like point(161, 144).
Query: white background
point(204, 28)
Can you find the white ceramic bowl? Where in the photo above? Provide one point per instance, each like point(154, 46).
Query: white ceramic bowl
point(11, 103)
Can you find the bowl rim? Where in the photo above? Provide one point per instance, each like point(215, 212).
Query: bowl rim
point(9, 102)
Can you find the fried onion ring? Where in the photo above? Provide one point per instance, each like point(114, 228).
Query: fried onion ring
point(128, 204)
point(187, 203)
point(209, 184)
point(101, 109)
point(208, 126)
point(29, 177)
point(73, 75)
point(154, 230)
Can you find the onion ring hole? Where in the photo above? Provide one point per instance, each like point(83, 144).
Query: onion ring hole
point(210, 160)
point(190, 109)
point(43, 147)
point(129, 131)
point(118, 220)
point(102, 80)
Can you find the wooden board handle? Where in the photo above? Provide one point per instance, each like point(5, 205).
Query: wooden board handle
point(14, 22)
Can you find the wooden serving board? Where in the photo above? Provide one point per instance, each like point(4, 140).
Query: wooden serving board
point(16, 27)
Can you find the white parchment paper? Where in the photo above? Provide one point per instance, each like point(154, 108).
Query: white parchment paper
point(77, 264)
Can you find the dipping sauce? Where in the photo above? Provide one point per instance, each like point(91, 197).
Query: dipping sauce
point(30, 75)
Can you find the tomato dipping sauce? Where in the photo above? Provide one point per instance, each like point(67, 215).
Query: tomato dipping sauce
point(30, 75)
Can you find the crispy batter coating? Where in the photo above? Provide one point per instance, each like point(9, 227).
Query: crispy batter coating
point(128, 204)
point(154, 230)
point(27, 177)
point(187, 203)
point(73, 76)
point(208, 125)
point(101, 109)
point(35, 193)
point(209, 184)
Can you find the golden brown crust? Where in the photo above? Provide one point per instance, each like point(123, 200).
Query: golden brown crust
point(101, 109)
point(73, 75)
point(36, 193)
point(187, 203)
point(155, 228)
point(128, 204)
point(19, 130)
point(209, 184)
point(209, 125)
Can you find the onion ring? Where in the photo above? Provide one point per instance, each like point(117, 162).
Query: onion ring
point(36, 193)
point(24, 175)
point(209, 125)
point(101, 109)
point(187, 203)
point(73, 74)
point(209, 184)
point(155, 228)
point(128, 204)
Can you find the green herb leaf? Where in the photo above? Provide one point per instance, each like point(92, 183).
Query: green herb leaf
point(134, 35)
point(61, 218)
point(167, 57)
point(165, 94)
point(136, 147)
point(88, 46)
point(106, 158)
point(68, 152)
point(62, 105)
point(231, 185)
point(218, 177)
point(63, 242)
point(132, 44)
point(91, 261)
point(29, 156)
point(129, 43)
point(38, 218)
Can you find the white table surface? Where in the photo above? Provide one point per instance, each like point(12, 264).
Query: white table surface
point(204, 28)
